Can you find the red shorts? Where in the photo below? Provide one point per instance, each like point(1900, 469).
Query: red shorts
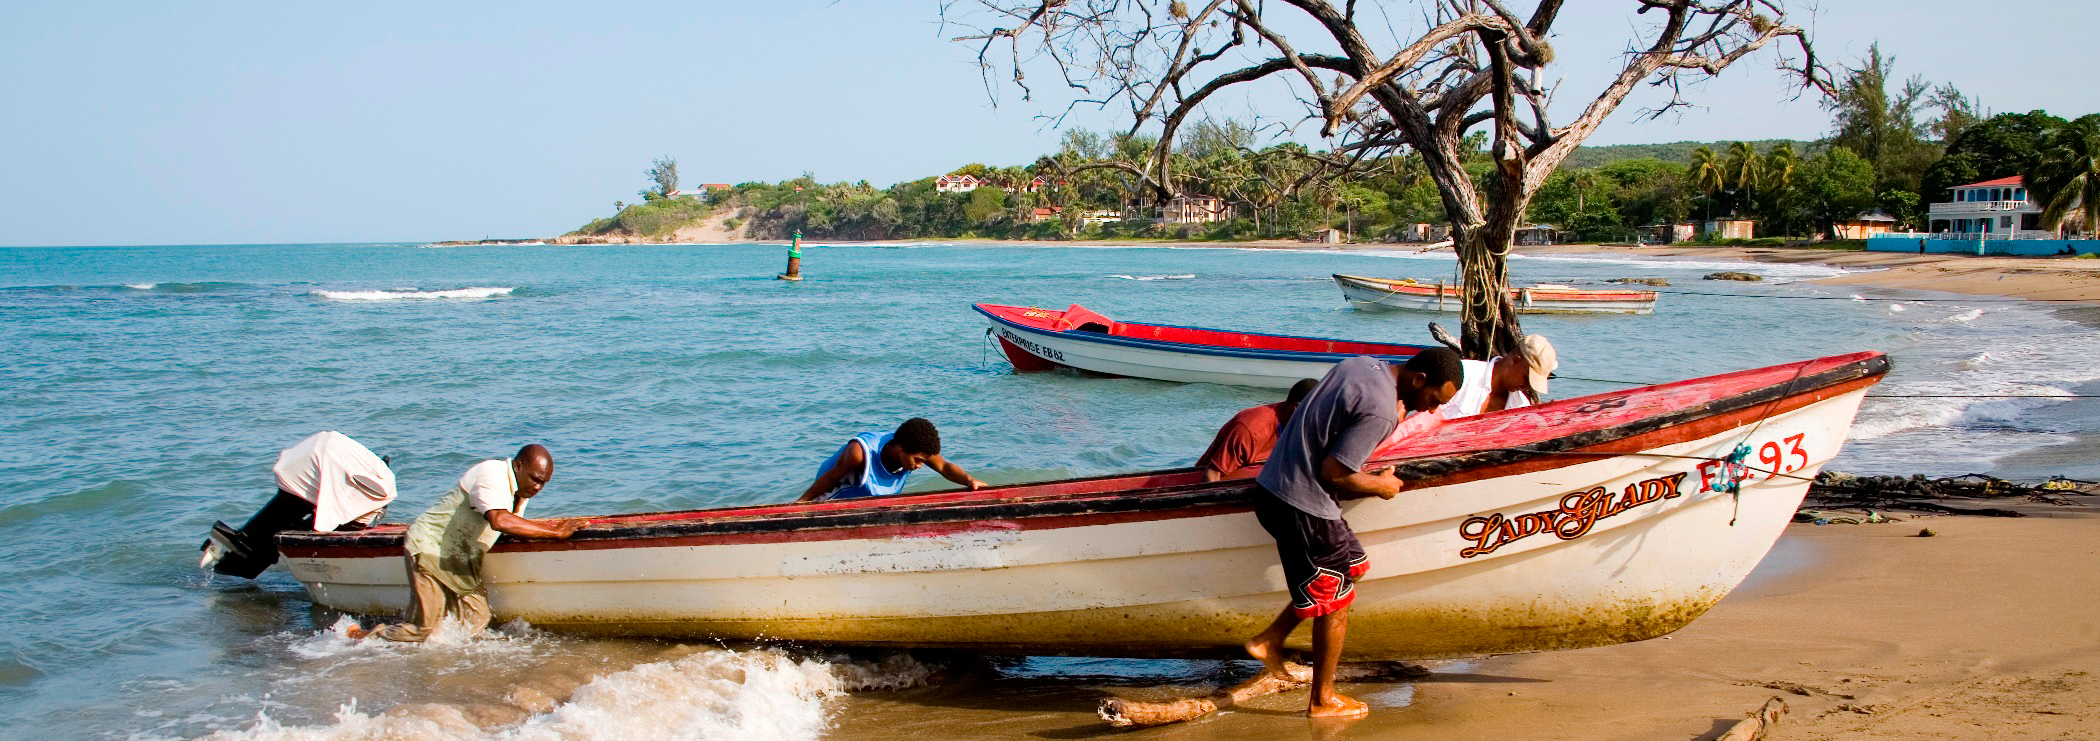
point(1321, 558)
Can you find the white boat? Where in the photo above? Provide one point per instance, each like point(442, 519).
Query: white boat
point(1543, 298)
point(1042, 339)
point(1589, 521)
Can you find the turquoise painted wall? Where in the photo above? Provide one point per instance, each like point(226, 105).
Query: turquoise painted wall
point(2017, 247)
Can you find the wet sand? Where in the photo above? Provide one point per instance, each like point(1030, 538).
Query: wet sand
point(1987, 631)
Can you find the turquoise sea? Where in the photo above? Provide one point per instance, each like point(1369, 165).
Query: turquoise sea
point(144, 392)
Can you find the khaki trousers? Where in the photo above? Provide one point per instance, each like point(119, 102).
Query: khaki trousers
point(429, 600)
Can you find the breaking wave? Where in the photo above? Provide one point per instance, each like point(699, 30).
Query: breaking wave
point(1182, 276)
point(474, 293)
point(1936, 415)
point(690, 694)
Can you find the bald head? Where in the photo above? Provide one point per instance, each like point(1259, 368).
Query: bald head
point(534, 466)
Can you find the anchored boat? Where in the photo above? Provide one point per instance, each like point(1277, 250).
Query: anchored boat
point(1596, 520)
point(1544, 298)
point(1042, 339)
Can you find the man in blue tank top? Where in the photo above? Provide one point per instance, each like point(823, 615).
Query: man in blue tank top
point(874, 465)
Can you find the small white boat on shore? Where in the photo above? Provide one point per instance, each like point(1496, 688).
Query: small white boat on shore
point(1596, 520)
point(1544, 298)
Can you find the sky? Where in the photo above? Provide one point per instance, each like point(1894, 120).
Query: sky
point(291, 122)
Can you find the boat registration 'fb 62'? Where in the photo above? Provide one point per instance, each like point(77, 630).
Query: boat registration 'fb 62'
point(1589, 521)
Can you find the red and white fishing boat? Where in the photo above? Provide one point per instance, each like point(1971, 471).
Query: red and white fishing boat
point(1544, 298)
point(1042, 339)
point(1589, 521)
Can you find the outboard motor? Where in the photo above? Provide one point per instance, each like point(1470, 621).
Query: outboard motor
point(248, 551)
point(327, 482)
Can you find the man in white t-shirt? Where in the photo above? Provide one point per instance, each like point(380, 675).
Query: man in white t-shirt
point(1503, 382)
point(445, 545)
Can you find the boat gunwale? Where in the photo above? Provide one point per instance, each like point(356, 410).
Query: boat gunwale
point(785, 520)
point(1201, 349)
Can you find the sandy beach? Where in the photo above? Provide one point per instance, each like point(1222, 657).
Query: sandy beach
point(2036, 278)
point(1985, 631)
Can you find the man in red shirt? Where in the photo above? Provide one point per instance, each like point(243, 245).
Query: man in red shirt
point(1246, 439)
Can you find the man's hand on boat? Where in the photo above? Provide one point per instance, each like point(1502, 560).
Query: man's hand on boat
point(555, 528)
point(1346, 484)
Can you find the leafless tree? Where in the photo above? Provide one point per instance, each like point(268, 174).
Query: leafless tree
point(1473, 64)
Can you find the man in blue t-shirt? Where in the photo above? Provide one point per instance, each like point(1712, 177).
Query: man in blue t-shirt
point(1320, 457)
point(873, 464)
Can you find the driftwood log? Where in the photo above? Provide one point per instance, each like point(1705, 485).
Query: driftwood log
point(1755, 727)
point(1127, 713)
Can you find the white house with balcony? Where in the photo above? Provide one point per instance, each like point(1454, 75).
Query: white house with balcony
point(1992, 209)
point(1993, 217)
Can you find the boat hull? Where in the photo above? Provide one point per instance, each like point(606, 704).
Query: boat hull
point(1034, 348)
point(1373, 294)
point(1607, 543)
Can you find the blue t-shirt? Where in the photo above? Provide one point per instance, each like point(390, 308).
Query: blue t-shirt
point(874, 479)
point(1346, 417)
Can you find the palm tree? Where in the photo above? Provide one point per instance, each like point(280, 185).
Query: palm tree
point(1743, 168)
point(1583, 181)
point(1779, 167)
point(2066, 175)
point(1708, 176)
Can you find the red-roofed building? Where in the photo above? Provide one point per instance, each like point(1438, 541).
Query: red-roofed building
point(706, 189)
point(1992, 209)
point(956, 183)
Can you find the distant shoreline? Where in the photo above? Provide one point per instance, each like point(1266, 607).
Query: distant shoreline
point(2038, 278)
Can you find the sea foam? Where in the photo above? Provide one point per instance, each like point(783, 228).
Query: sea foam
point(709, 694)
point(473, 293)
point(1938, 413)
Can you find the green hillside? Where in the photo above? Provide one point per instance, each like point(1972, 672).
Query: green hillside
point(1678, 152)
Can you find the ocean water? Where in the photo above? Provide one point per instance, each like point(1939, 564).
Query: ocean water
point(148, 389)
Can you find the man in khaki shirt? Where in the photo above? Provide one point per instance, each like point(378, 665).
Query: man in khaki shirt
point(445, 545)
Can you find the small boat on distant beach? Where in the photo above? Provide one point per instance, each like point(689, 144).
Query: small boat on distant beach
point(1042, 339)
point(1544, 298)
point(1603, 519)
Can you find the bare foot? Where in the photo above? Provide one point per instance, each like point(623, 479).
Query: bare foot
point(1337, 706)
point(1269, 653)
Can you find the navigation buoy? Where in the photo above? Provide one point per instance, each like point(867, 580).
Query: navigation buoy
point(794, 271)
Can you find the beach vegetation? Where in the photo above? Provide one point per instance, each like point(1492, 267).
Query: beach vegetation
point(2065, 177)
point(2000, 146)
point(663, 176)
point(1895, 145)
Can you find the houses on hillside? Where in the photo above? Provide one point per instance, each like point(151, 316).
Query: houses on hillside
point(959, 183)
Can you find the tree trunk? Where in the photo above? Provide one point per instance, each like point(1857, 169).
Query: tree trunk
point(1488, 318)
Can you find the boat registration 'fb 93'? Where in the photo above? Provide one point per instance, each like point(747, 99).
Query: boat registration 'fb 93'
point(1588, 521)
